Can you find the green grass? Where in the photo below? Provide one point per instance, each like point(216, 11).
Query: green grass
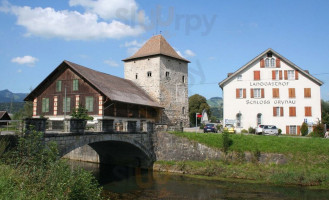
point(308, 159)
point(268, 144)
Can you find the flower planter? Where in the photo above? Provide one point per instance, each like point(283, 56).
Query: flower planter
point(77, 126)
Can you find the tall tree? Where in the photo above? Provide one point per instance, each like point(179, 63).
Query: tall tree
point(325, 111)
point(197, 104)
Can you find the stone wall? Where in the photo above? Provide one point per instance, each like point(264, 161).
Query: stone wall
point(84, 153)
point(169, 147)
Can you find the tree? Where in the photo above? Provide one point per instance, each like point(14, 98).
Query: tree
point(325, 111)
point(304, 129)
point(197, 104)
point(25, 112)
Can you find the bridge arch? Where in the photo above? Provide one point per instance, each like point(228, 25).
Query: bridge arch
point(139, 143)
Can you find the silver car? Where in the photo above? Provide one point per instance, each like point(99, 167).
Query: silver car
point(270, 130)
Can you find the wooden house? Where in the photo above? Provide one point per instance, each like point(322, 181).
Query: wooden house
point(4, 116)
point(103, 95)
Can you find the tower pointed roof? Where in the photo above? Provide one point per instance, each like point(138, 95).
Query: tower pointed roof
point(156, 45)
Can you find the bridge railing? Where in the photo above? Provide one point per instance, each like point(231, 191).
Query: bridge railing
point(50, 127)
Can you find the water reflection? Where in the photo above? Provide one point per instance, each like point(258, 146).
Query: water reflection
point(130, 183)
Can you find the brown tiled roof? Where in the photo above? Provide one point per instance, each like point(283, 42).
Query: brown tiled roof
point(157, 45)
point(115, 88)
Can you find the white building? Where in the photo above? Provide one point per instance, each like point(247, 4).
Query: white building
point(271, 90)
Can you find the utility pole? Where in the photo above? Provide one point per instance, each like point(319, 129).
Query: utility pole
point(196, 122)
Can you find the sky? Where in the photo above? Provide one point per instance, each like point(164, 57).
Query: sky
point(217, 36)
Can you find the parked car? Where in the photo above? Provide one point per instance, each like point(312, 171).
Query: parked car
point(259, 129)
point(210, 128)
point(270, 130)
point(229, 128)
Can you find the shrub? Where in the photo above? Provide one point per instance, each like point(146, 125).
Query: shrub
point(201, 126)
point(227, 142)
point(304, 129)
point(280, 131)
point(318, 130)
point(244, 131)
point(219, 127)
point(81, 113)
point(251, 130)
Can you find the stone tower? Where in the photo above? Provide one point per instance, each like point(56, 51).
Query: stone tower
point(163, 74)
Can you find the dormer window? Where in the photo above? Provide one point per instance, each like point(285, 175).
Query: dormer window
point(149, 74)
point(239, 77)
point(269, 62)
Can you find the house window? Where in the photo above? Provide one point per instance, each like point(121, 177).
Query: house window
point(277, 111)
point(293, 130)
point(45, 104)
point(292, 111)
point(272, 62)
point(292, 93)
point(149, 74)
point(58, 86)
point(257, 93)
point(277, 75)
point(90, 104)
point(239, 77)
point(167, 74)
point(307, 92)
point(267, 62)
point(75, 85)
point(291, 74)
point(66, 104)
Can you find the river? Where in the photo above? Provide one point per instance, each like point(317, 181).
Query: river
point(129, 183)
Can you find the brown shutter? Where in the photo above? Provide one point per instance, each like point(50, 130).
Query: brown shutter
point(274, 111)
point(237, 93)
point(277, 62)
point(273, 93)
point(263, 93)
point(296, 74)
point(273, 75)
point(298, 130)
point(307, 92)
point(262, 63)
point(292, 111)
point(276, 93)
point(287, 130)
point(281, 111)
point(285, 74)
point(244, 93)
point(292, 93)
point(308, 111)
point(251, 93)
point(256, 75)
point(280, 74)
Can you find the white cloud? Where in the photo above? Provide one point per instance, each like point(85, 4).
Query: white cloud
point(70, 25)
point(112, 9)
point(28, 60)
point(133, 46)
point(189, 53)
point(112, 63)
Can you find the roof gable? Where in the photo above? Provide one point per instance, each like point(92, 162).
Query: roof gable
point(305, 73)
point(4, 115)
point(156, 45)
point(115, 88)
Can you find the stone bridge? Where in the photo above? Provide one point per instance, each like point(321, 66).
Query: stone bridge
point(131, 149)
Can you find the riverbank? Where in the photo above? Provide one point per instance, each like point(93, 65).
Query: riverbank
point(307, 160)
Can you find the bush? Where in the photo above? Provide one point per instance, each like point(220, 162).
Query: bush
point(38, 174)
point(244, 131)
point(251, 130)
point(318, 130)
point(280, 131)
point(219, 127)
point(81, 113)
point(201, 126)
point(304, 129)
point(227, 142)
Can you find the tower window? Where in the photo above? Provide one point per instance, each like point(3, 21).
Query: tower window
point(167, 74)
point(183, 110)
point(136, 75)
point(183, 79)
point(149, 74)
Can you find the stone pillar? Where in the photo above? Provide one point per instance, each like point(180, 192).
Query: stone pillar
point(100, 105)
point(77, 101)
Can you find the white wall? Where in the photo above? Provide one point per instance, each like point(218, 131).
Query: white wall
point(250, 107)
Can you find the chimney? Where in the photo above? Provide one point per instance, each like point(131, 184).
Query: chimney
point(307, 71)
point(229, 74)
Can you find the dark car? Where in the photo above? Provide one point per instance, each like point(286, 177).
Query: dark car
point(210, 128)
